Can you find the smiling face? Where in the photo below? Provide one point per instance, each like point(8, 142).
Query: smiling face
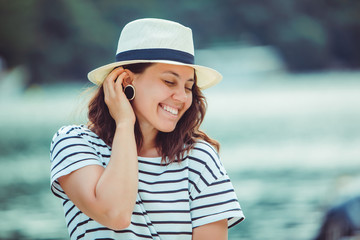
point(163, 94)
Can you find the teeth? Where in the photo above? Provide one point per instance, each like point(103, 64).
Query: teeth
point(170, 109)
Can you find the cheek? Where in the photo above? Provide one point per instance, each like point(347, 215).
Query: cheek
point(188, 102)
point(146, 99)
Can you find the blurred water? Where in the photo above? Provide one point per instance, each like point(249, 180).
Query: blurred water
point(290, 144)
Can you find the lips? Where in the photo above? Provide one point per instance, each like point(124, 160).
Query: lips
point(169, 109)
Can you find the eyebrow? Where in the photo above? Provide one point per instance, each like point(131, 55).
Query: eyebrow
point(178, 76)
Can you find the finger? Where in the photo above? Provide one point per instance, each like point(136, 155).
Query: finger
point(111, 79)
point(119, 82)
point(107, 86)
point(116, 72)
point(112, 76)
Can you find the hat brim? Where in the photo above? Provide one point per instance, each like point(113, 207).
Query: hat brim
point(206, 77)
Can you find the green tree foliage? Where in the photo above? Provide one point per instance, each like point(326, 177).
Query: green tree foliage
point(64, 39)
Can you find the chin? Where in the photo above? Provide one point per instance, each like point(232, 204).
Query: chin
point(166, 129)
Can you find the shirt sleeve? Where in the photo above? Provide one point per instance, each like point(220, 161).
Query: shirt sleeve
point(70, 151)
point(212, 196)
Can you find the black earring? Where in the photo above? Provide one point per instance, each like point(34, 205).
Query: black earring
point(129, 91)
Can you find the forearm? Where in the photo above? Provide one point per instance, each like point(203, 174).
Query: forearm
point(118, 185)
point(212, 231)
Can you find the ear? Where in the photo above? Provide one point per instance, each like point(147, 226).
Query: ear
point(129, 78)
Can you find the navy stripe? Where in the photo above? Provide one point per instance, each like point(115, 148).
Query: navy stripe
point(164, 192)
point(107, 229)
point(168, 171)
point(104, 155)
point(165, 201)
point(175, 233)
point(164, 182)
point(63, 139)
point(172, 222)
point(195, 186)
point(210, 146)
point(89, 135)
point(150, 163)
point(168, 211)
point(66, 201)
point(139, 224)
point(99, 145)
point(220, 182)
point(236, 222)
point(214, 204)
point(201, 176)
point(143, 214)
point(68, 211)
point(215, 194)
point(68, 146)
point(56, 194)
point(206, 166)
point(72, 219)
point(80, 224)
point(162, 201)
point(55, 187)
point(229, 210)
point(217, 166)
point(155, 164)
point(142, 224)
point(140, 214)
point(86, 132)
point(73, 154)
point(83, 128)
point(156, 54)
point(73, 128)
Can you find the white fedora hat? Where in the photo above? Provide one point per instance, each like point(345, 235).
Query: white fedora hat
point(151, 40)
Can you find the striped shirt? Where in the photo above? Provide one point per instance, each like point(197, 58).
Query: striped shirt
point(172, 199)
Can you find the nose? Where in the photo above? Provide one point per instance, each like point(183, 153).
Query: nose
point(180, 94)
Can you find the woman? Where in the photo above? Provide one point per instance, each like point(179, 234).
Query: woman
point(141, 168)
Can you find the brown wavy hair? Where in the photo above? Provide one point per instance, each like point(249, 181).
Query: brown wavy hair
point(172, 145)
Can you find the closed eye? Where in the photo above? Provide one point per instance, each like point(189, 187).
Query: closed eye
point(173, 84)
point(188, 88)
point(170, 83)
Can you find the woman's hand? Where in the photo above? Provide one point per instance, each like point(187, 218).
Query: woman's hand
point(119, 106)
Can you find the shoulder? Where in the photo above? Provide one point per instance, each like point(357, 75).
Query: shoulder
point(76, 135)
point(202, 147)
point(75, 132)
point(204, 158)
point(76, 145)
point(206, 153)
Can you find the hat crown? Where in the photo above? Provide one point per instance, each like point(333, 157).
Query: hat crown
point(151, 33)
point(151, 40)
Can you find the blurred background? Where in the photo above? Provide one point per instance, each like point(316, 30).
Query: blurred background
point(287, 112)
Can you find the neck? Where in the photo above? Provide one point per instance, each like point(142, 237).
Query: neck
point(148, 148)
